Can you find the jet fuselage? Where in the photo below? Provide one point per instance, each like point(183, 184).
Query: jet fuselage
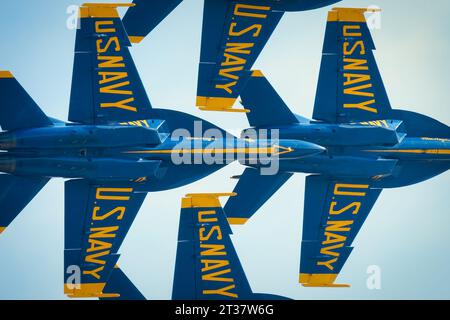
point(141, 152)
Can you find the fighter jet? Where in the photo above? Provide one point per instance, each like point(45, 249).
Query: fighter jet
point(234, 34)
point(369, 147)
point(114, 149)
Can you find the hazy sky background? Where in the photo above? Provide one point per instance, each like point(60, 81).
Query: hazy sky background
point(406, 235)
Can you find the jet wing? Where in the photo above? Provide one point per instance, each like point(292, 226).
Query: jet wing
point(106, 86)
point(334, 212)
point(234, 34)
point(253, 190)
point(98, 216)
point(207, 266)
point(350, 87)
point(145, 16)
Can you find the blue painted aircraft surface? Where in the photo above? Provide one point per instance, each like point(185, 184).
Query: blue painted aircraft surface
point(207, 265)
point(234, 34)
point(114, 149)
point(369, 147)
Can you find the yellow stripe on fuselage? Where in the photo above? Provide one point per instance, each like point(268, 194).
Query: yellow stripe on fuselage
point(273, 151)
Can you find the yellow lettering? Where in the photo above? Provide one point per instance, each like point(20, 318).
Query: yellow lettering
point(355, 91)
point(99, 27)
point(99, 195)
point(209, 265)
point(333, 238)
point(111, 62)
point(239, 6)
point(215, 276)
point(355, 205)
point(327, 264)
point(363, 106)
point(111, 76)
point(338, 226)
point(94, 273)
point(113, 89)
point(241, 48)
point(98, 245)
point(202, 214)
point(355, 64)
point(96, 217)
point(231, 60)
point(210, 233)
point(232, 32)
point(226, 86)
point(329, 250)
point(108, 45)
point(339, 192)
point(351, 78)
point(349, 31)
point(120, 105)
point(103, 232)
point(223, 292)
point(93, 258)
point(212, 250)
point(226, 72)
point(352, 50)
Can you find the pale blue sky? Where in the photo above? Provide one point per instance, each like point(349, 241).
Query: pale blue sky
point(406, 235)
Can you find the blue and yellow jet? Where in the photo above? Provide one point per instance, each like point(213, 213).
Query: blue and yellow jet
point(369, 147)
point(114, 149)
point(234, 34)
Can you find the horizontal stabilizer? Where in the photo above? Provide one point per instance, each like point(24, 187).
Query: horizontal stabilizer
point(266, 108)
point(15, 194)
point(17, 109)
point(145, 16)
point(253, 190)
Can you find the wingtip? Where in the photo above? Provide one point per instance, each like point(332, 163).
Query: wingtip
point(237, 221)
point(6, 75)
point(136, 39)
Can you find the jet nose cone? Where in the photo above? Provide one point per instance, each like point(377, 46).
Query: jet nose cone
point(300, 149)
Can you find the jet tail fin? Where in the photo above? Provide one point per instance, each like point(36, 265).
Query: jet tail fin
point(265, 106)
point(252, 190)
point(15, 194)
point(17, 109)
